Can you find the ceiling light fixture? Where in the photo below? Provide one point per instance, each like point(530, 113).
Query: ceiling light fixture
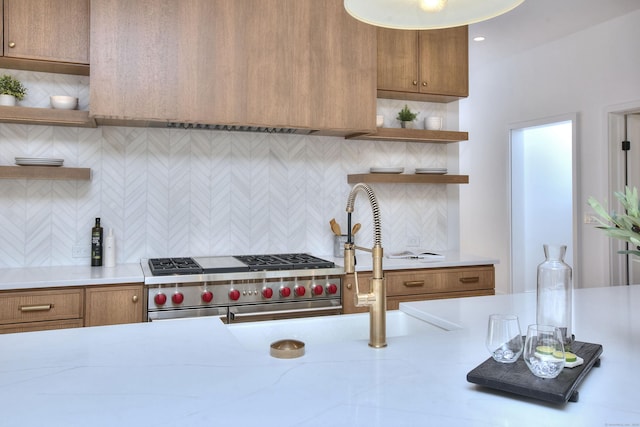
point(426, 14)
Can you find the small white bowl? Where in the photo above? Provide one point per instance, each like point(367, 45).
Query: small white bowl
point(63, 102)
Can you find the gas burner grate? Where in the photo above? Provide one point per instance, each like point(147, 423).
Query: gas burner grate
point(295, 261)
point(169, 266)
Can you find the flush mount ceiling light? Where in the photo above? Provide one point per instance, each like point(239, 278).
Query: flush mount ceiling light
point(426, 14)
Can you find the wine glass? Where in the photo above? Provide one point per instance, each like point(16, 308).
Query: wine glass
point(544, 351)
point(504, 339)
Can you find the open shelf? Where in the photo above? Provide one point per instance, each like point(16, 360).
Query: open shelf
point(46, 116)
point(412, 135)
point(44, 172)
point(405, 178)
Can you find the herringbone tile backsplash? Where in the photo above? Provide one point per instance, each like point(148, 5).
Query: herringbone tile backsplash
point(171, 192)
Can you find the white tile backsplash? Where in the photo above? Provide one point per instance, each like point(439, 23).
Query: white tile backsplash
point(171, 192)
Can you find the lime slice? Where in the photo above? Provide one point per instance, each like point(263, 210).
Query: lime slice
point(545, 349)
point(558, 354)
point(570, 357)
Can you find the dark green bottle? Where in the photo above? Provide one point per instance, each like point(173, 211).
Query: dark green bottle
point(96, 244)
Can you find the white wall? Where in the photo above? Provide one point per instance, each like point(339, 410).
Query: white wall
point(585, 73)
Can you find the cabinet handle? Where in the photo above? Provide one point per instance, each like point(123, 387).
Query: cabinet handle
point(415, 83)
point(414, 284)
point(134, 298)
point(473, 279)
point(42, 307)
point(424, 83)
point(12, 44)
point(349, 285)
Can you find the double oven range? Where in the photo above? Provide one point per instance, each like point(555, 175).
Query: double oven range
point(242, 288)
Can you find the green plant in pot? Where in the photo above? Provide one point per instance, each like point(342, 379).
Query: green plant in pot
point(623, 226)
point(406, 117)
point(11, 90)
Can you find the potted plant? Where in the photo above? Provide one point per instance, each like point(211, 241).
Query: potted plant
point(406, 117)
point(11, 90)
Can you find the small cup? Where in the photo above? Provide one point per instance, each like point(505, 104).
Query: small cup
point(544, 351)
point(433, 123)
point(379, 121)
point(338, 245)
point(504, 339)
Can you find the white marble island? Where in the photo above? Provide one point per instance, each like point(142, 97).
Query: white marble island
point(194, 372)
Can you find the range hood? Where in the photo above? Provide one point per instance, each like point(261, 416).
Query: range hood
point(237, 128)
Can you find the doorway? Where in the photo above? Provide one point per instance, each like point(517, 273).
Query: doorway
point(624, 170)
point(543, 192)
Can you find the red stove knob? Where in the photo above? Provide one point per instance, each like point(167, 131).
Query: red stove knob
point(207, 296)
point(300, 291)
point(332, 288)
point(285, 291)
point(267, 292)
point(160, 299)
point(177, 298)
point(234, 294)
point(317, 290)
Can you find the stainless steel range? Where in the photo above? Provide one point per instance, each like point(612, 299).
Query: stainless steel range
point(243, 287)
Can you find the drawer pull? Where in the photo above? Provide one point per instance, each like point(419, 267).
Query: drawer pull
point(414, 284)
point(42, 307)
point(474, 279)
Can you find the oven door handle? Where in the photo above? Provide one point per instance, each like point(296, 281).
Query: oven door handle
point(235, 314)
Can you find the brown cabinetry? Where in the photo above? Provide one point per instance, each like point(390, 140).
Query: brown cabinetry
point(41, 309)
point(46, 35)
point(298, 64)
point(429, 65)
point(114, 304)
point(423, 284)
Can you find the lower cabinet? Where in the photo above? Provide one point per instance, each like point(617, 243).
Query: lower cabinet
point(35, 310)
point(422, 284)
point(70, 307)
point(113, 304)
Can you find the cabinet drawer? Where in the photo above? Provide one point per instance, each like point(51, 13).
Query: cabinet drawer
point(414, 283)
point(41, 305)
point(40, 326)
point(469, 279)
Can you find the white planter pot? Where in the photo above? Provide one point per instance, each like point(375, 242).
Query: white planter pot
point(407, 125)
point(8, 100)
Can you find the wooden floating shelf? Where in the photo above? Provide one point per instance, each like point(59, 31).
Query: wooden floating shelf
point(45, 172)
point(412, 135)
point(46, 116)
point(405, 178)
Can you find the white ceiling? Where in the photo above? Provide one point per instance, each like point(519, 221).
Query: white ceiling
point(536, 22)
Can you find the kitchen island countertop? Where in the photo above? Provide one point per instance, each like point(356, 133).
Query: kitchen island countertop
point(193, 372)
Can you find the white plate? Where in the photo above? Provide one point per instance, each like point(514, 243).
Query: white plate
point(438, 171)
point(38, 161)
point(386, 170)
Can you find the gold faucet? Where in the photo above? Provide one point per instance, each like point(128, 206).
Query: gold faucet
point(376, 299)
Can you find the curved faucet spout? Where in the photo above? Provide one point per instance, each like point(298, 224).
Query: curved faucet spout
point(376, 298)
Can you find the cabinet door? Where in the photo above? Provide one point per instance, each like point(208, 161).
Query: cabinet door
point(444, 62)
point(114, 304)
point(50, 30)
point(272, 63)
point(397, 60)
point(41, 305)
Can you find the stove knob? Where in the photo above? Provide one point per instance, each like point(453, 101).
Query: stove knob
point(177, 298)
point(267, 293)
point(207, 296)
point(317, 290)
point(234, 294)
point(300, 291)
point(285, 291)
point(160, 299)
point(332, 288)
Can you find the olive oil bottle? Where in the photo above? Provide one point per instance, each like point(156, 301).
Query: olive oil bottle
point(96, 244)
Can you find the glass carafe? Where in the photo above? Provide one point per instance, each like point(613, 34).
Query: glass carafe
point(555, 291)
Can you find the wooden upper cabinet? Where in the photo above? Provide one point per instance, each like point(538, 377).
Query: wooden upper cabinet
point(274, 63)
point(430, 65)
point(48, 30)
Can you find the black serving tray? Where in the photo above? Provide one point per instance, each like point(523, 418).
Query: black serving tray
point(517, 378)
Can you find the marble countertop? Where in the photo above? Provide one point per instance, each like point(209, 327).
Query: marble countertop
point(451, 259)
point(194, 372)
point(72, 275)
